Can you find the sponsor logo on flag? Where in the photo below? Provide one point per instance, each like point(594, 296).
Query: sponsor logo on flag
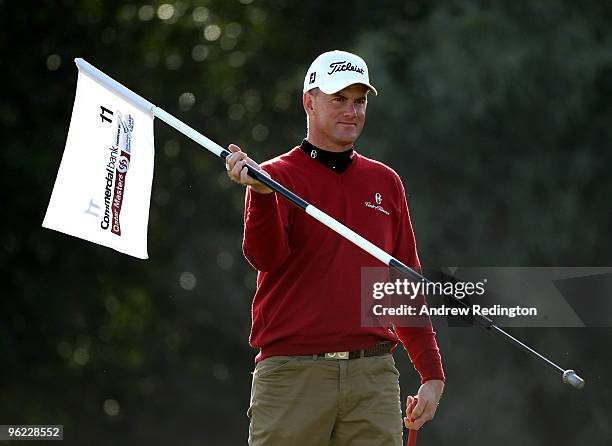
point(117, 168)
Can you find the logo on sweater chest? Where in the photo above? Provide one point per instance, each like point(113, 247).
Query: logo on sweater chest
point(377, 205)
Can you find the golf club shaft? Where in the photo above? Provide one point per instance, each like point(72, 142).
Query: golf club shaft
point(412, 437)
point(412, 434)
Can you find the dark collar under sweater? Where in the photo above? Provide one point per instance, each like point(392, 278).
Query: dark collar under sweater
point(336, 161)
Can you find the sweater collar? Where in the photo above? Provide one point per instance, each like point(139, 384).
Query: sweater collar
point(336, 161)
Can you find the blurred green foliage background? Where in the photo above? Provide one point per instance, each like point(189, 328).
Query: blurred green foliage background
point(497, 115)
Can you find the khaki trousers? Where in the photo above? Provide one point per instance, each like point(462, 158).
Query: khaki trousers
point(305, 400)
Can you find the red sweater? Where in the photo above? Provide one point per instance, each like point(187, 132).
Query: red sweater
point(308, 283)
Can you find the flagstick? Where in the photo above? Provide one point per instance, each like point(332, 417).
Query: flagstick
point(569, 376)
point(110, 83)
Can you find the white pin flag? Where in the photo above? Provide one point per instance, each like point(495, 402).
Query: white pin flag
point(103, 187)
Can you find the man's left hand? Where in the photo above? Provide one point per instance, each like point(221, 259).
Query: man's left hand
point(428, 399)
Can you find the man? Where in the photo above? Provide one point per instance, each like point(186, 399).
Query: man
point(321, 378)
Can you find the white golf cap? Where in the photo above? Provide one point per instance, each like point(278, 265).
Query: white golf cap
point(335, 70)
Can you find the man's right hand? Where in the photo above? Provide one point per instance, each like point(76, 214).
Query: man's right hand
point(236, 162)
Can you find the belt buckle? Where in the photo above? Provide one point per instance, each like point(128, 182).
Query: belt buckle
point(337, 355)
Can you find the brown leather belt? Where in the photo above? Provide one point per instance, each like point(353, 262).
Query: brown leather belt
point(379, 349)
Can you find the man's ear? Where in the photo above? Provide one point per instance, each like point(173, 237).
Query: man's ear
point(308, 101)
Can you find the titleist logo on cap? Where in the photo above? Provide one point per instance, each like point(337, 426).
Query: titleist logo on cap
point(343, 66)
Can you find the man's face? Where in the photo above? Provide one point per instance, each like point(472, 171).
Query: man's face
point(336, 120)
